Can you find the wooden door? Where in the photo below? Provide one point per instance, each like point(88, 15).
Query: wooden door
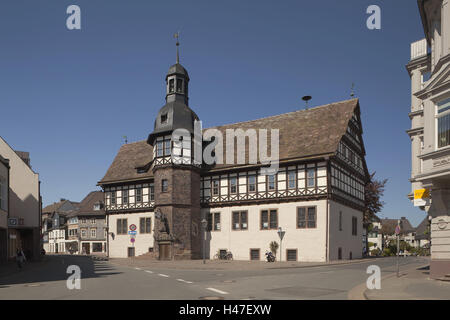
point(164, 251)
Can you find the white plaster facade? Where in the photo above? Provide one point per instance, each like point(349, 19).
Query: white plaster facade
point(118, 244)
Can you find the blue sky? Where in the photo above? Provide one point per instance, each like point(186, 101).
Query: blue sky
point(68, 97)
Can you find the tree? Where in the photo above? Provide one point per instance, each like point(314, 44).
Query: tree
point(274, 247)
point(373, 191)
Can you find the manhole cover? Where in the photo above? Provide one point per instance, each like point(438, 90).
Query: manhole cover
point(229, 281)
point(211, 298)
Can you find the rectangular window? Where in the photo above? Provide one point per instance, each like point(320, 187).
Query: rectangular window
point(306, 217)
point(354, 226)
point(254, 254)
point(138, 195)
point(93, 233)
point(210, 222)
point(216, 221)
point(83, 233)
point(152, 191)
point(269, 219)
point(292, 180)
point(340, 220)
point(122, 225)
point(93, 221)
point(164, 185)
point(124, 196)
point(179, 85)
point(159, 149)
point(145, 225)
point(443, 120)
point(270, 182)
point(171, 85)
point(291, 254)
point(239, 220)
point(311, 177)
point(233, 187)
point(251, 183)
point(167, 148)
point(113, 197)
point(215, 188)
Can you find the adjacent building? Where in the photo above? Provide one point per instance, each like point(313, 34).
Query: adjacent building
point(86, 226)
point(54, 225)
point(4, 208)
point(24, 200)
point(157, 204)
point(429, 70)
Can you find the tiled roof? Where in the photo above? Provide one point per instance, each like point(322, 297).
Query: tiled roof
point(421, 229)
point(303, 134)
point(86, 207)
point(388, 226)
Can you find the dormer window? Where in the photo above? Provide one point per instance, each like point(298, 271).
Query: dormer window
point(164, 118)
point(96, 206)
point(171, 85)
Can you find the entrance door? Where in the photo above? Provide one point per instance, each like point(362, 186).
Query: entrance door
point(56, 248)
point(130, 252)
point(164, 251)
point(86, 248)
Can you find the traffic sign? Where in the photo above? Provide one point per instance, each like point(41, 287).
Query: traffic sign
point(132, 240)
point(397, 229)
point(421, 197)
point(132, 232)
point(133, 227)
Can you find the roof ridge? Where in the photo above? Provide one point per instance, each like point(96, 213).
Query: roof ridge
point(283, 114)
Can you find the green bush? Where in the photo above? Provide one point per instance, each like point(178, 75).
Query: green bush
point(387, 252)
point(375, 252)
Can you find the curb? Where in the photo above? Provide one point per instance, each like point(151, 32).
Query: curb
point(359, 292)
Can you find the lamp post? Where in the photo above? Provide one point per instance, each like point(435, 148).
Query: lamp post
point(281, 235)
point(204, 222)
point(397, 232)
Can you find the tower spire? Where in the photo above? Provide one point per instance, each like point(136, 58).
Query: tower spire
point(176, 36)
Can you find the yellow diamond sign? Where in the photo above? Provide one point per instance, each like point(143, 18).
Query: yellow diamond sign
point(421, 197)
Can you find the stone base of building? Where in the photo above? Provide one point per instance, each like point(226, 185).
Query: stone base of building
point(439, 268)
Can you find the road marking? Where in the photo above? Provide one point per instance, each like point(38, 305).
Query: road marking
point(163, 275)
point(216, 290)
point(138, 268)
point(181, 280)
point(148, 271)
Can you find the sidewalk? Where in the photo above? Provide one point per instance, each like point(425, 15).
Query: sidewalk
point(11, 267)
point(225, 264)
point(413, 284)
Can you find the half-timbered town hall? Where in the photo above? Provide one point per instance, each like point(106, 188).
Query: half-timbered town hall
point(156, 207)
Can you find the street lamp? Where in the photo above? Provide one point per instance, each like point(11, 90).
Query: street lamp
point(281, 235)
point(204, 223)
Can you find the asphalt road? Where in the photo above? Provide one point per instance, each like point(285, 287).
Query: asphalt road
point(104, 280)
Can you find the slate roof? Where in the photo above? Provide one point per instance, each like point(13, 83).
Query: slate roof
point(54, 207)
point(86, 207)
point(303, 134)
point(421, 228)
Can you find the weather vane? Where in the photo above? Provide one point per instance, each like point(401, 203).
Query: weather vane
point(352, 94)
point(176, 36)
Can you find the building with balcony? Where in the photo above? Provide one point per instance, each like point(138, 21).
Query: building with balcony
point(429, 69)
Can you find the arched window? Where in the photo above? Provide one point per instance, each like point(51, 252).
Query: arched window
point(171, 85)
